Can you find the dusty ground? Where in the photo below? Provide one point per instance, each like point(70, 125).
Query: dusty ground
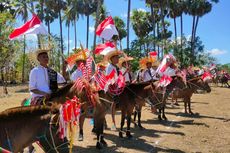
point(208, 131)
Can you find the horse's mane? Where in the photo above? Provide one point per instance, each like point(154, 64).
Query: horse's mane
point(62, 91)
point(23, 111)
point(138, 85)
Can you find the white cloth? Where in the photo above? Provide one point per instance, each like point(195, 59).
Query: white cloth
point(110, 68)
point(169, 72)
point(125, 74)
point(149, 76)
point(76, 74)
point(39, 80)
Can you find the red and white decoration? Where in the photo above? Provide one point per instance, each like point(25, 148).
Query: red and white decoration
point(105, 48)
point(206, 76)
point(33, 26)
point(106, 29)
point(165, 63)
point(153, 54)
point(165, 80)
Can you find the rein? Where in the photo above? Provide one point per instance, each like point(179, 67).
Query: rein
point(197, 78)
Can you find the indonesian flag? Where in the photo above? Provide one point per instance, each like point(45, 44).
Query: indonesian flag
point(165, 80)
point(153, 54)
point(33, 26)
point(206, 76)
point(71, 61)
point(105, 48)
point(165, 63)
point(106, 29)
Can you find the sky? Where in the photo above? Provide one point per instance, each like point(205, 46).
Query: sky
point(213, 28)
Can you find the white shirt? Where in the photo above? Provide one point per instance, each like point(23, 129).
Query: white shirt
point(39, 80)
point(76, 74)
point(125, 74)
point(147, 76)
point(110, 68)
point(169, 71)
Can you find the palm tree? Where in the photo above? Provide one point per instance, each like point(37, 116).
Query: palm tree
point(120, 25)
point(22, 10)
point(128, 19)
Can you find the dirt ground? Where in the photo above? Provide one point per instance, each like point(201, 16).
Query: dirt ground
point(208, 131)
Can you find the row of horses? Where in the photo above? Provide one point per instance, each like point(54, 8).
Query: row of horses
point(22, 126)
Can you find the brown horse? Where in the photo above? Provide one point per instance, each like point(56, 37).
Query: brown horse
point(131, 95)
point(22, 126)
point(87, 95)
point(159, 98)
point(193, 85)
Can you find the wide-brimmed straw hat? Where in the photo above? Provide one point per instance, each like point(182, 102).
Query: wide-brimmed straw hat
point(124, 59)
point(42, 50)
point(145, 60)
point(110, 54)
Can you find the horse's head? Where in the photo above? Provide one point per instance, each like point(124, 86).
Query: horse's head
point(177, 82)
point(85, 91)
point(50, 138)
point(198, 84)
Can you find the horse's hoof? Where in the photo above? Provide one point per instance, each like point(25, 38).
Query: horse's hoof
point(159, 118)
point(80, 137)
point(191, 113)
point(140, 126)
point(98, 145)
point(165, 118)
point(120, 134)
point(103, 142)
point(135, 124)
point(94, 130)
point(128, 135)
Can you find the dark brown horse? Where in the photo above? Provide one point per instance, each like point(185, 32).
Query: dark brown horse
point(193, 85)
point(87, 95)
point(22, 126)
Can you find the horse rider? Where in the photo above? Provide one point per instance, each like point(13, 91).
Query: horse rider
point(125, 67)
point(43, 80)
point(79, 59)
point(149, 73)
point(113, 58)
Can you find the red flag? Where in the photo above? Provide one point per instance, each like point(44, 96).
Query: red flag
point(154, 53)
point(165, 80)
point(206, 76)
point(103, 49)
point(106, 29)
point(33, 26)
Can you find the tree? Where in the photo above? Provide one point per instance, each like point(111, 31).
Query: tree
point(128, 24)
point(120, 25)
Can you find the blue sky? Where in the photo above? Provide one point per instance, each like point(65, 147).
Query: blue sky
point(213, 28)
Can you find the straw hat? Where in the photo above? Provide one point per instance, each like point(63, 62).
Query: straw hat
point(124, 59)
point(112, 53)
point(39, 51)
point(102, 64)
point(146, 60)
point(80, 56)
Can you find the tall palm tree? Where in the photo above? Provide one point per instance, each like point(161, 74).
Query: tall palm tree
point(87, 7)
point(128, 19)
point(120, 25)
point(22, 10)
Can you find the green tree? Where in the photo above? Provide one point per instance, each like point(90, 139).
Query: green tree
point(120, 25)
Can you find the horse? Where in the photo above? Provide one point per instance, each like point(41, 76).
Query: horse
point(87, 95)
point(21, 126)
point(186, 93)
point(128, 99)
point(223, 79)
point(159, 98)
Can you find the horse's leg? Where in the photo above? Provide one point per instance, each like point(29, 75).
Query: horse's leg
point(81, 123)
point(189, 106)
point(159, 115)
point(185, 106)
point(163, 113)
point(123, 113)
point(128, 134)
point(134, 116)
point(139, 117)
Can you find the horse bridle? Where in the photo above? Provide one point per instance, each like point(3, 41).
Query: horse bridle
point(197, 78)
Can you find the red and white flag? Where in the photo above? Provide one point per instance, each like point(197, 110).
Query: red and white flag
point(105, 48)
point(106, 29)
point(165, 63)
point(206, 76)
point(153, 54)
point(165, 80)
point(33, 26)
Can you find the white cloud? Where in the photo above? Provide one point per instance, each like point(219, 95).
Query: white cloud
point(141, 9)
point(216, 51)
point(91, 29)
